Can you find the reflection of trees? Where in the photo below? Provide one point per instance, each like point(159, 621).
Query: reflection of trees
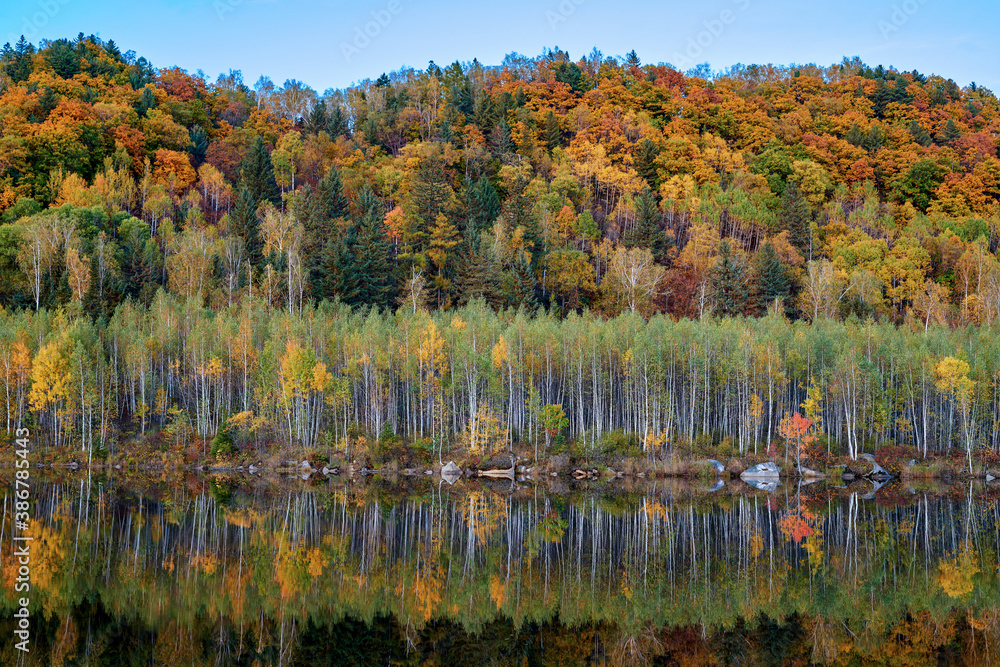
point(266, 574)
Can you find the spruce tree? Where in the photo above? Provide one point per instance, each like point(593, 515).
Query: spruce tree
point(646, 153)
point(794, 217)
point(257, 174)
point(553, 134)
point(728, 280)
point(331, 195)
point(317, 118)
point(772, 280)
point(919, 134)
point(374, 273)
point(243, 222)
point(517, 285)
point(476, 276)
point(483, 207)
point(648, 233)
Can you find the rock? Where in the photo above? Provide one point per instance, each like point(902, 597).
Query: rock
point(554, 474)
point(763, 484)
point(911, 463)
point(809, 472)
point(450, 468)
point(717, 465)
point(579, 474)
point(253, 469)
point(505, 473)
point(990, 476)
point(762, 471)
point(718, 485)
point(428, 472)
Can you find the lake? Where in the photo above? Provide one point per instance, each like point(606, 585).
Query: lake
point(239, 571)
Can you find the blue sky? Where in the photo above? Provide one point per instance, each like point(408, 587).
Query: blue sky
point(324, 44)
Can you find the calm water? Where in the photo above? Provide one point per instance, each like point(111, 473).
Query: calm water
point(370, 573)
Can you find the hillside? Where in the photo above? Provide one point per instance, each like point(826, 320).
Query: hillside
point(592, 183)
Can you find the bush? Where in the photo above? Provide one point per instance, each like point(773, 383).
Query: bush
point(222, 445)
point(619, 443)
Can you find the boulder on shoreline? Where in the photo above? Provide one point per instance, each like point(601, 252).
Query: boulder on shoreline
point(762, 471)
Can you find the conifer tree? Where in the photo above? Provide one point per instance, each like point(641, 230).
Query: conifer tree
point(646, 153)
point(244, 222)
point(518, 285)
point(772, 280)
point(374, 273)
point(476, 275)
point(794, 217)
point(648, 233)
point(553, 135)
point(728, 279)
point(257, 175)
point(483, 207)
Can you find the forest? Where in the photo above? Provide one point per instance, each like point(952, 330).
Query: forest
point(597, 255)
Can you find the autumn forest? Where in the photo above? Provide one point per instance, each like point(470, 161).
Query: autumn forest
point(596, 256)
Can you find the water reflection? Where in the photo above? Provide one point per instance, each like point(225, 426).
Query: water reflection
point(370, 573)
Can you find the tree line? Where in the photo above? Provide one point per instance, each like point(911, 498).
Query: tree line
point(601, 183)
point(477, 380)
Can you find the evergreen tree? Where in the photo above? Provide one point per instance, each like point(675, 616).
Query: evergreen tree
point(317, 118)
point(517, 285)
point(331, 195)
point(794, 216)
point(949, 132)
point(920, 135)
point(648, 232)
point(374, 273)
point(476, 276)
point(336, 125)
point(483, 207)
point(728, 280)
point(553, 135)
point(199, 144)
point(430, 196)
point(257, 175)
point(772, 280)
point(646, 153)
point(243, 222)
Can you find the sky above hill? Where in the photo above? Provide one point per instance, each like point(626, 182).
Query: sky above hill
point(332, 44)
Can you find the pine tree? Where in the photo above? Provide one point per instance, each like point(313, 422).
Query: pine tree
point(430, 196)
point(553, 134)
point(336, 125)
point(243, 222)
point(648, 232)
point(794, 217)
point(646, 153)
point(374, 273)
point(728, 279)
point(331, 195)
point(919, 134)
point(949, 132)
point(476, 276)
point(483, 207)
point(517, 285)
point(257, 175)
point(772, 280)
point(317, 118)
